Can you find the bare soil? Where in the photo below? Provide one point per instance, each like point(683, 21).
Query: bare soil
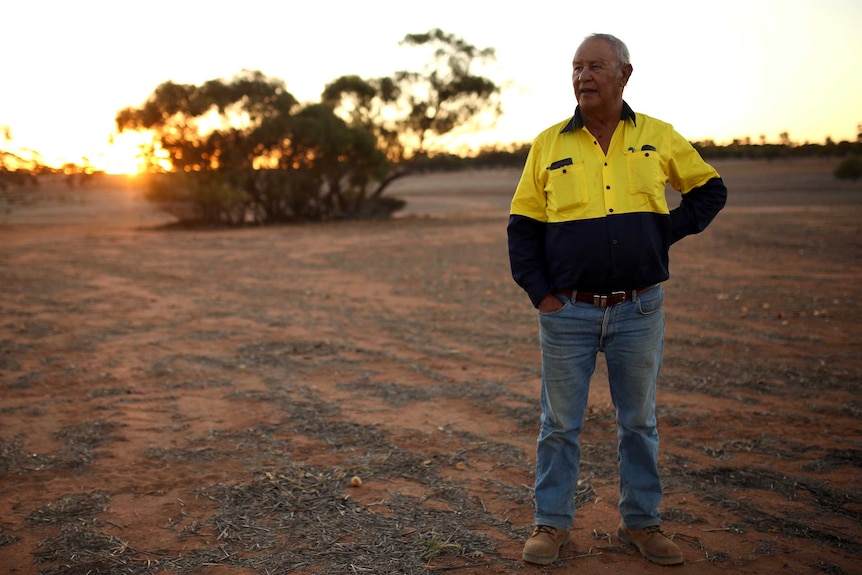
point(176, 401)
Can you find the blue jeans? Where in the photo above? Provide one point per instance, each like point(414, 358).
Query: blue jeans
point(631, 335)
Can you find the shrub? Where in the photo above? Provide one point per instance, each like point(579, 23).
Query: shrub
point(850, 168)
point(198, 197)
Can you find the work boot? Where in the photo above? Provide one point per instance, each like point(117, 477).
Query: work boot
point(543, 546)
point(652, 543)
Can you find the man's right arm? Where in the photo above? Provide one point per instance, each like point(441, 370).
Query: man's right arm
point(526, 230)
point(527, 256)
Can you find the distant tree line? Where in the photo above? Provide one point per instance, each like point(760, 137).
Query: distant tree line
point(745, 149)
point(513, 155)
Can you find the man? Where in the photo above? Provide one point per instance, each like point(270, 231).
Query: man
point(589, 234)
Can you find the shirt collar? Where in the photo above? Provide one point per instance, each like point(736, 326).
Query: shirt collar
point(577, 121)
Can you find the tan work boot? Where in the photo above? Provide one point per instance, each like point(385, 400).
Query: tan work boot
point(652, 543)
point(543, 546)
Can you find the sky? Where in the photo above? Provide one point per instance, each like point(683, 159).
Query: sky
point(715, 69)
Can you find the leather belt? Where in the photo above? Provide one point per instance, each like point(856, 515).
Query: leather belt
point(603, 299)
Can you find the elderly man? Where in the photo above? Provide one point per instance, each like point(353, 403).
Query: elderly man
point(589, 234)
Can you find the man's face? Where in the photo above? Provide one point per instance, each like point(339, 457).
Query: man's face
point(596, 75)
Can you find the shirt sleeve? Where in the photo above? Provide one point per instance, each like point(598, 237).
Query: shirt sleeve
point(526, 230)
point(697, 209)
point(527, 256)
point(703, 191)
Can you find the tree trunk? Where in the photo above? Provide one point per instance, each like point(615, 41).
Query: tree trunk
point(381, 187)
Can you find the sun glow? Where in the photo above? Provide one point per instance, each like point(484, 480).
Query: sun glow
point(124, 154)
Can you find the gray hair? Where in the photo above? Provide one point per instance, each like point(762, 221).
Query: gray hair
point(618, 45)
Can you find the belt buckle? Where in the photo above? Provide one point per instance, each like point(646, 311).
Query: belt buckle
point(600, 300)
point(618, 297)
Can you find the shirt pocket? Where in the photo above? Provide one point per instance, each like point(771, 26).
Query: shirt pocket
point(566, 188)
point(646, 181)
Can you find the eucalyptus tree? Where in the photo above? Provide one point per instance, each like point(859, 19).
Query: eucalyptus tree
point(410, 111)
point(244, 150)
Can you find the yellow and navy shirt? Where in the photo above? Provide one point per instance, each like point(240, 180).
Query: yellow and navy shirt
point(584, 220)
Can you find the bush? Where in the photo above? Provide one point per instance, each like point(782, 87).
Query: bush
point(850, 168)
point(198, 198)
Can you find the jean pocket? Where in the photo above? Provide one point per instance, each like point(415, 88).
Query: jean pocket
point(566, 303)
point(651, 301)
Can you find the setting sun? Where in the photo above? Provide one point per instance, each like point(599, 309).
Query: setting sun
point(123, 155)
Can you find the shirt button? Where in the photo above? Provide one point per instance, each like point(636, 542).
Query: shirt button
point(607, 187)
point(611, 210)
point(614, 242)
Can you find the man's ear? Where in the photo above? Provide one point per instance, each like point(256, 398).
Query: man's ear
point(627, 73)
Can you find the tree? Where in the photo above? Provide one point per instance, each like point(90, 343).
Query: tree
point(329, 157)
point(446, 95)
point(208, 127)
point(410, 110)
point(244, 150)
point(417, 107)
point(369, 104)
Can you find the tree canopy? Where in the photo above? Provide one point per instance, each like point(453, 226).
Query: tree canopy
point(245, 150)
point(410, 108)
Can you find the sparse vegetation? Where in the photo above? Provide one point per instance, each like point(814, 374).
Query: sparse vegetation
point(849, 169)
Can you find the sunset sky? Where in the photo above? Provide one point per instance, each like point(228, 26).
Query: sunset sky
point(716, 69)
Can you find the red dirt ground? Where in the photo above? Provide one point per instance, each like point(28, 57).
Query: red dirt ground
point(198, 401)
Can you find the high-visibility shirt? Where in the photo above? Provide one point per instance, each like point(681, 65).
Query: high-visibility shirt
point(584, 220)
